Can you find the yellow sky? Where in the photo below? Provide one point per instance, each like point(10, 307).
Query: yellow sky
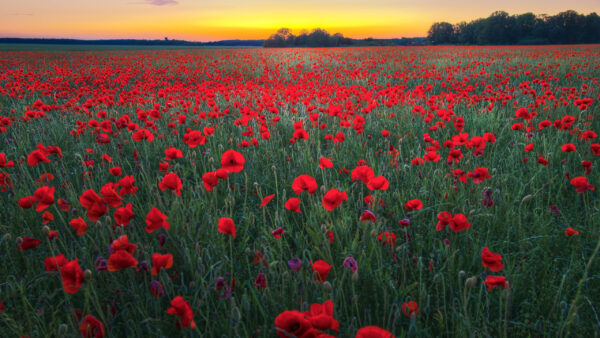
point(199, 20)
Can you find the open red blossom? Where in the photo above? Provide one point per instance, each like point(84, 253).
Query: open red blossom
point(79, 225)
point(91, 327)
point(595, 147)
point(568, 148)
point(182, 308)
point(28, 243)
point(378, 183)
point(122, 243)
point(172, 153)
point(294, 324)
point(110, 195)
point(293, 204)
point(321, 269)
point(72, 276)
point(115, 171)
point(266, 200)
point(210, 180)
point(35, 157)
point(373, 332)
point(193, 138)
point(387, 238)
point(459, 222)
point(491, 260)
point(47, 217)
point(479, 175)
point(410, 308)
point(333, 198)
point(232, 161)
point(226, 226)
point(45, 197)
point(126, 184)
point(121, 259)
point(123, 215)
point(4, 163)
point(155, 220)
point(172, 182)
point(496, 281)
point(55, 263)
point(304, 182)
point(325, 163)
point(443, 220)
point(161, 262)
point(413, 205)
point(362, 173)
point(27, 202)
point(581, 184)
point(320, 316)
point(367, 215)
point(571, 232)
point(93, 204)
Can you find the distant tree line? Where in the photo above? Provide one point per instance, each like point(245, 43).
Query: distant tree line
point(133, 42)
point(500, 28)
point(321, 38)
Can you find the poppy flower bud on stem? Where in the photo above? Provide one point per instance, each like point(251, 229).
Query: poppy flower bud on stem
point(45, 230)
point(87, 275)
point(323, 189)
point(526, 199)
point(471, 282)
point(63, 329)
point(211, 160)
point(461, 274)
point(19, 240)
point(273, 168)
point(327, 286)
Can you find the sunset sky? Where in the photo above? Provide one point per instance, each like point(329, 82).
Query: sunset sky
point(196, 20)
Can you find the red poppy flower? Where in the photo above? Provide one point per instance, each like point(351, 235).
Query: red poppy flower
point(123, 215)
point(529, 147)
point(47, 217)
point(413, 205)
point(333, 198)
point(115, 171)
point(417, 161)
point(155, 220)
point(266, 200)
point(443, 220)
point(373, 332)
point(325, 163)
point(581, 184)
point(28, 243)
point(221, 174)
point(232, 161)
point(293, 204)
point(55, 263)
point(571, 232)
point(321, 269)
point(368, 216)
point(27, 202)
point(171, 181)
point(79, 225)
point(72, 276)
point(193, 138)
point(277, 233)
point(568, 147)
point(182, 308)
point(362, 173)
point(161, 262)
point(122, 243)
point(91, 327)
point(491, 260)
point(293, 324)
point(172, 153)
point(496, 281)
point(4, 163)
point(110, 195)
point(36, 157)
point(387, 238)
point(459, 222)
point(304, 182)
point(226, 226)
point(261, 281)
point(378, 183)
point(121, 259)
point(320, 316)
point(45, 197)
point(126, 184)
point(479, 175)
point(93, 204)
point(410, 308)
point(210, 180)
point(595, 147)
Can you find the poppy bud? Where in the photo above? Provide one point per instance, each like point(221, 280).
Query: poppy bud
point(45, 230)
point(108, 220)
point(471, 282)
point(211, 160)
point(373, 232)
point(355, 276)
point(461, 274)
point(19, 240)
point(323, 189)
point(248, 251)
point(527, 199)
point(63, 329)
point(87, 274)
point(235, 313)
point(323, 226)
point(255, 184)
point(273, 168)
point(327, 286)
point(472, 212)
point(98, 224)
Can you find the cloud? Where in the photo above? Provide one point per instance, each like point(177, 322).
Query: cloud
point(161, 2)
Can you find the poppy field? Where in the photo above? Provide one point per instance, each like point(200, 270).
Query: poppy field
point(368, 192)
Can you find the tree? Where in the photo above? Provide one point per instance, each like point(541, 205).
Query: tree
point(441, 33)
